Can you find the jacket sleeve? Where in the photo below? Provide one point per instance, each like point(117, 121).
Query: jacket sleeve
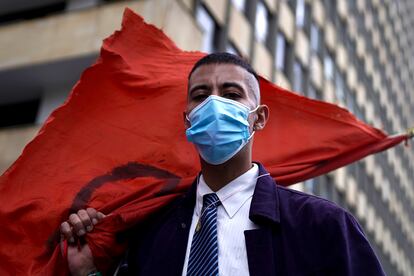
point(348, 249)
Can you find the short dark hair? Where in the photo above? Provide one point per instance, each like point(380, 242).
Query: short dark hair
point(224, 58)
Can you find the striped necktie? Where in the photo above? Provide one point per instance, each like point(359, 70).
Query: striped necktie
point(203, 258)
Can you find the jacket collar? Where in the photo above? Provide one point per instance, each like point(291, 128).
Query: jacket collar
point(265, 202)
point(264, 207)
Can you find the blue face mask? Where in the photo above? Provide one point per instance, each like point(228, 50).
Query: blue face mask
point(219, 128)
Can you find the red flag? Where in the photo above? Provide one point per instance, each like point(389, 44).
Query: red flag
point(118, 145)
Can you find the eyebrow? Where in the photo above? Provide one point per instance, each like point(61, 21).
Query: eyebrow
point(233, 84)
point(199, 86)
point(224, 86)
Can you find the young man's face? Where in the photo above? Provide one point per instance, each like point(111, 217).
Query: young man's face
point(225, 80)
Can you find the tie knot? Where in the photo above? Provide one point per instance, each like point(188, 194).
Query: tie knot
point(210, 200)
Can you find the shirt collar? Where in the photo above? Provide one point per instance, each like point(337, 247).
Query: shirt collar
point(233, 195)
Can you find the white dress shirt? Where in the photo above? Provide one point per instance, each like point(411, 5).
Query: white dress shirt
point(232, 221)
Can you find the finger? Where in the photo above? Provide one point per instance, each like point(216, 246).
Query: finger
point(78, 227)
point(85, 219)
point(100, 215)
point(66, 231)
point(93, 214)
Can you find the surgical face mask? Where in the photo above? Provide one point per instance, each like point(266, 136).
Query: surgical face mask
point(219, 128)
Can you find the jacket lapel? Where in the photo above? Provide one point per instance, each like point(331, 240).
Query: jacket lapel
point(260, 255)
point(263, 244)
point(184, 218)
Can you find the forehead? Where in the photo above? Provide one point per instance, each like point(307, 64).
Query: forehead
point(218, 73)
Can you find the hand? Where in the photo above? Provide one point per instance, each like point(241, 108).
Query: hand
point(80, 259)
point(79, 223)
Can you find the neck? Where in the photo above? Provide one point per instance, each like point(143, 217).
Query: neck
point(217, 176)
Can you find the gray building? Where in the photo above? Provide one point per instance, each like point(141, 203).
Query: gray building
point(358, 54)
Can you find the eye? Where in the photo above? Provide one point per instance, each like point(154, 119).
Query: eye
point(232, 95)
point(199, 97)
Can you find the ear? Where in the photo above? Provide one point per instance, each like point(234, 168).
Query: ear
point(186, 121)
point(262, 117)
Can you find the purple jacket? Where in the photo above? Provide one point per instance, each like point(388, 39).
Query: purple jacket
point(298, 234)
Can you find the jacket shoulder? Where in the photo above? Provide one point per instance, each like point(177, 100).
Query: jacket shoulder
point(335, 238)
point(301, 208)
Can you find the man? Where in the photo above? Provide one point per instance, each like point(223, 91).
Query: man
point(234, 220)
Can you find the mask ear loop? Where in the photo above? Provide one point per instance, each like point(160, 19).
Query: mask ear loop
point(255, 109)
point(251, 111)
point(251, 135)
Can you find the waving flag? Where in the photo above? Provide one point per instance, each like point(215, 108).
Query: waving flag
point(118, 145)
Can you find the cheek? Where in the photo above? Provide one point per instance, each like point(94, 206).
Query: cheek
point(191, 105)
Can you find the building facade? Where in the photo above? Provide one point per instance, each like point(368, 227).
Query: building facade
point(358, 54)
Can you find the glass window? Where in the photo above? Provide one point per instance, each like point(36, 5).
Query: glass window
point(312, 93)
point(297, 77)
point(262, 22)
point(13, 11)
point(208, 25)
point(351, 48)
point(351, 6)
point(19, 113)
point(341, 27)
point(359, 113)
point(280, 51)
point(360, 70)
point(330, 9)
point(291, 3)
point(339, 87)
point(324, 187)
point(300, 13)
point(307, 18)
point(360, 22)
point(314, 37)
point(239, 4)
point(350, 102)
point(310, 186)
point(73, 5)
point(328, 67)
point(316, 41)
point(283, 55)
